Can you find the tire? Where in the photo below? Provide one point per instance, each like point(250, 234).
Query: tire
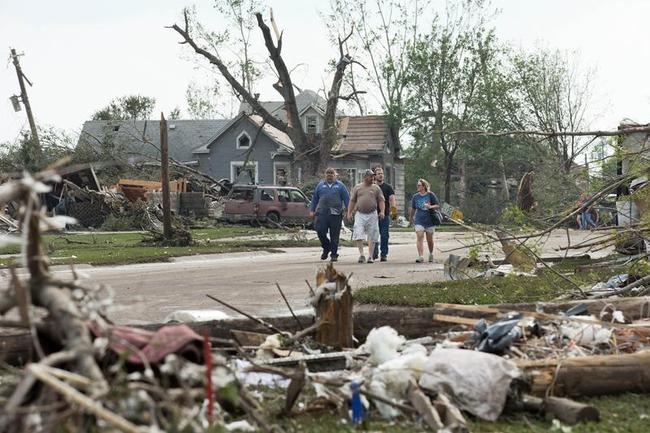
point(273, 217)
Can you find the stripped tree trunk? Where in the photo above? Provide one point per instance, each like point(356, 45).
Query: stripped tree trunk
point(334, 311)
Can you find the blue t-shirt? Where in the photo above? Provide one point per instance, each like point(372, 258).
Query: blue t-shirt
point(422, 215)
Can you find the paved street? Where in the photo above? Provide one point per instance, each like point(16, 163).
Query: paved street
point(149, 292)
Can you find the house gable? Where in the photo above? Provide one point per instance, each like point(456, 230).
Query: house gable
point(225, 157)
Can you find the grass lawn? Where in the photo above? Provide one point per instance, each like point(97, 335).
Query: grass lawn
point(546, 286)
point(128, 247)
point(627, 413)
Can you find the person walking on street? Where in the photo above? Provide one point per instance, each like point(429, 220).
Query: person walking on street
point(368, 202)
point(384, 224)
point(328, 205)
point(420, 217)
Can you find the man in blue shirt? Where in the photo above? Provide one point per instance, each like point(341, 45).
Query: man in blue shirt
point(328, 205)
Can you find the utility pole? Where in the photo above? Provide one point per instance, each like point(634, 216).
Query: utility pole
point(28, 108)
point(164, 177)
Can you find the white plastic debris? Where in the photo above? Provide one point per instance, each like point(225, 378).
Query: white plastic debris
point(585, 333)
point(195, 316)
point(266, 349)
point(391, 379)
point(476, 382)
point(252, 378)
point(382, 344)
point(242, 425)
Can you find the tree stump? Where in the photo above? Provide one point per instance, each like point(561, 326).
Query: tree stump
point(334, 308)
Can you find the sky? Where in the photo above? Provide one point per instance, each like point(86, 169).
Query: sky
point(80, 54)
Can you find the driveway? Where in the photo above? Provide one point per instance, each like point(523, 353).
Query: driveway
point(145, 293)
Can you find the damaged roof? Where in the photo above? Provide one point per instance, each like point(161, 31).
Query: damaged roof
point(141, 138)
point(363, 134)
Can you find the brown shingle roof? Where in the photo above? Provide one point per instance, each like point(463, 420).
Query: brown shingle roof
point(363, 134)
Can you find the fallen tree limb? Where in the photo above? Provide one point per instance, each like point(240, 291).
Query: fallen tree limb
point(86, 403)
point(563, 409)
point(590, 375)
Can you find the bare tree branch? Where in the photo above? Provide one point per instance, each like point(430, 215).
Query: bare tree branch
point(237, 87)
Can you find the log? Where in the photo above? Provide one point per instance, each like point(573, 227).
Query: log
point(590, 375)
point(568, 411)
point(411, 322)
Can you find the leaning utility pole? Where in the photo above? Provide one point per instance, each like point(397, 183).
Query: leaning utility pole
point(28, 108)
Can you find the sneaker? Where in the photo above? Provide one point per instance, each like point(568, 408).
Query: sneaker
point(430, 257)
point(383, 259)
point(370, 260)
point(334, 258)
point(324, 255)
point(375, 257)
point(362, 259)
point(419, 260)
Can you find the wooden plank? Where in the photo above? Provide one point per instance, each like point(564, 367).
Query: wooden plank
point(246, 338)
point(455, 319)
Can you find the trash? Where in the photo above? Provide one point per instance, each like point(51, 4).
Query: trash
point(585, 334)
point(390, 380)
point(496, 338)
point(356, 405)
point(476, 382)
point(180, 316)
point(382, 344)
point(456, 267)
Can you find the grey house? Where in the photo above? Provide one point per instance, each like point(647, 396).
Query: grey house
point(242, 149)
point(246, 150)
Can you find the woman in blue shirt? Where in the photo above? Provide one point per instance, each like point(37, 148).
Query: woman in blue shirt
point(420, 217)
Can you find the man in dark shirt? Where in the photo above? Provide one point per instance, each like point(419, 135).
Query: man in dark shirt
point(384, 224)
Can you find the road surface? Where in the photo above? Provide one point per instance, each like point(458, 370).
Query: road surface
point(145, 293)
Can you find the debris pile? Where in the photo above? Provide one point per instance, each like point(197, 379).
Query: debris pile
point(86, 374)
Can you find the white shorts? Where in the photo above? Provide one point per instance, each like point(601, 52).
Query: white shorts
point(366, 227)
point(419, 228)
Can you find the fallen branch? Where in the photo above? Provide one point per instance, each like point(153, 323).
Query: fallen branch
point(88, 404)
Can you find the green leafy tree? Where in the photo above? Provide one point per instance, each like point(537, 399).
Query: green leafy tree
point(56, 144)
point(443, 82)
point(384, 33)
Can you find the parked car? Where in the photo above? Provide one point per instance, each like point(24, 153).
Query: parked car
point(261, 203)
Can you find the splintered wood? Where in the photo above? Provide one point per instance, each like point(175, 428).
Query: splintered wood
point(333, 308)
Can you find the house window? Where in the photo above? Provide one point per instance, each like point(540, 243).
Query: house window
point(312, 124)
point(244, 174)
point(281, 174)
point(243, 141)
point(348, 176)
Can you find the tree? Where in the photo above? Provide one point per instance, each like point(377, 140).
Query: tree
point(443, 83)
point(385, 30)
point(553, 96)
point(210, 101)
point(56, 144)
point(303, 149)
point(133, 107)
